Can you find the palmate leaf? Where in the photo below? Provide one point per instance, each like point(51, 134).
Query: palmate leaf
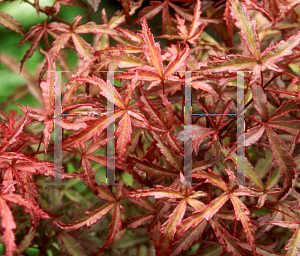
point(247, 27)
point(143, 202)
point(283, 159)
point(202, 215)
point(211, 250)
point(89, 177)
point(192, 35)
point(95, 127)
point(293, 247)
point(115, 225)
point(152, 51)
point(124, 130)
point(14, 134)
point(150, 11)
point(259, 250)
point(137, 221)
point(82, 47)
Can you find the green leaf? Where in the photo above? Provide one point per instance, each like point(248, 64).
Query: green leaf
point(72, 245)
point(26, 242)
point(273, 178)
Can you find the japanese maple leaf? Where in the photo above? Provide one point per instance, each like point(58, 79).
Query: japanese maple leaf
point(292, 247)
point(168, 23)
point(259, 61)
point(35, 34)
point(155, 71)
point(13, 130)
point(185, 194)
point(96, 126)
point(93, 217)
point(279, 149)
point(84, 49)
point(48, 94)
point(7, 220)
point(195, 29)
point(230, 192)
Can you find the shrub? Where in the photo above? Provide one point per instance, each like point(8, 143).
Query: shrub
point(122, 76)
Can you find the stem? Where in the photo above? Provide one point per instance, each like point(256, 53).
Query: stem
point(290, 61)
point(288, 74)
point(289, 93)
point(40, 143)
point(50, 14)
point(254, 119)
point(209, 195)
point(296, 220)
point(234, 228)
point(175, 127)
point(271, 80)
point(182, 105)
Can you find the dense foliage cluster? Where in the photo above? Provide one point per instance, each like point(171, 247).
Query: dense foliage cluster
point(153, 212)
